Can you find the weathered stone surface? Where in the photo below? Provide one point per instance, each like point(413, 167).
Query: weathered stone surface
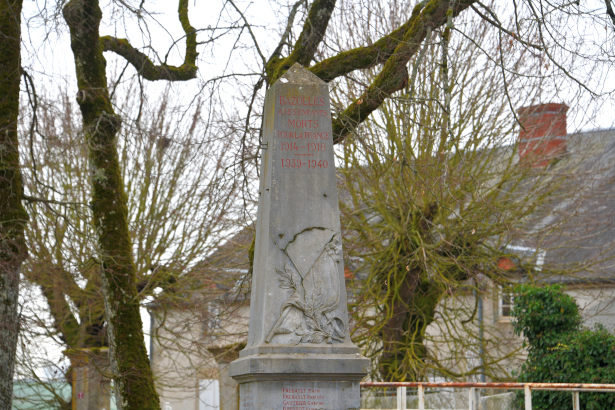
point(298, 332)
point(308, 395)
point(300, 366)
point(91, 386)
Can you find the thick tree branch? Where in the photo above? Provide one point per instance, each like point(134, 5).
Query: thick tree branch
point(313, 32)
point(63, 319)
point(129, 362)
point(50, 201)
point(145, 67)
point(305, 47)
point(364, 57)
point(394, 75)
point(289, 26)
point(13, 216)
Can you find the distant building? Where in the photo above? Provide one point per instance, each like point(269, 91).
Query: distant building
point(192, 369)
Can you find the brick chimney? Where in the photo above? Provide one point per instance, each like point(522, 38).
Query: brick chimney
point(544, 137)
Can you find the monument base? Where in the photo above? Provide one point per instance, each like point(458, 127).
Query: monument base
point(301, 381)
point(299, 395)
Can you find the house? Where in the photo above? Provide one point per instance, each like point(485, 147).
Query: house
point(190, 353)
point(578, 252)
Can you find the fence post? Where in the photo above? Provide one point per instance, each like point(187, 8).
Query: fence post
point(472, 398)
point(421, 397)
point(576, 403)
point(401, 398)
point(528, 397)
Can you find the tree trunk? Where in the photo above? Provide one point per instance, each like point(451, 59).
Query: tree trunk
point(134, 383)
point(403, 334)
point(410, 305)
point(13, 216)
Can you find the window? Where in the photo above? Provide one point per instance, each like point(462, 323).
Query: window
point(506, 302)
point(209, 394)
point(210, 319)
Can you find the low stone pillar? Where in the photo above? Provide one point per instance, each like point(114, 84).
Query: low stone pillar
point(90, 381)
point(229, 389)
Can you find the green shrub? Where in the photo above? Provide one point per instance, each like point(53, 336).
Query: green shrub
point(560, 350)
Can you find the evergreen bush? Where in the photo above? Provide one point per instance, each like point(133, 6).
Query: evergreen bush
point(560, 349)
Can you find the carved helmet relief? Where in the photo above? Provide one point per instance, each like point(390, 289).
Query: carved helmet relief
point(311, 274)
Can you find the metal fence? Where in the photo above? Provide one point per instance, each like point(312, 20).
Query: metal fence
point(473, 398)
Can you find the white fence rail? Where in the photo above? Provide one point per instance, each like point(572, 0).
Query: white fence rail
point(474, 388)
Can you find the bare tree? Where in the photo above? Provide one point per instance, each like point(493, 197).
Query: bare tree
point(180, 203)
point(129, 360)
point(433, 192)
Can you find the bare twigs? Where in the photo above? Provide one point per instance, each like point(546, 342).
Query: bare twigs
point(417, 62)
point(497, 24)
point(539, 26)
point(289, 26)
point(258, 49)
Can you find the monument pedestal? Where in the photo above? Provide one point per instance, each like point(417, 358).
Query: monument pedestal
point(299, 355)
point(90, 378)
point(300, 381)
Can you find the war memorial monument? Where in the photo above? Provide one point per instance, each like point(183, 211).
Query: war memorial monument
point(299, 355)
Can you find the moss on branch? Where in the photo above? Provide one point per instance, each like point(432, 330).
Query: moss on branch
point(145, 67)
point(305, 47)
point(394, 75)
point(13, 216)
point(364, 57)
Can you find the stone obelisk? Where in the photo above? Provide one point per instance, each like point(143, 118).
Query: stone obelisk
point(299, 355)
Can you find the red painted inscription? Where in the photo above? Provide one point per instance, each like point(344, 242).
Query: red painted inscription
point(302, 399)
point(310, 163)
point(303, 123)
point(297, 111)
point(303, 135)
point(316, 101)
point(316, 147)
point(302, 139)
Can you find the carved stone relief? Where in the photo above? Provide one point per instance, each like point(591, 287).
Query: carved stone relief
point(311, 273)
